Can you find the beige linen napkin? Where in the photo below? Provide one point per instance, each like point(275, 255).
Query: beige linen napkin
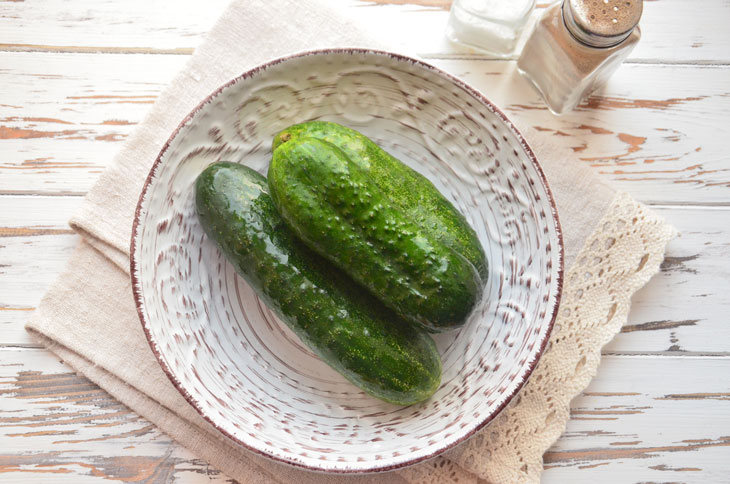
point(613, 246)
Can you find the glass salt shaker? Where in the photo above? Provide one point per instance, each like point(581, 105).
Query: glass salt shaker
point(575, 47)
point(493, 26)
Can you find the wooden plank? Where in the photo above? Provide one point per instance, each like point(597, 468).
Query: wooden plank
point(680, 311)
point(661, 141)
point(650, 131)
point(645, 419)
point(628, 426)
point(683, 310)
point(35, 244)
point(62, 117)
point(107, 26)
point(57, 426)
point(412, 25)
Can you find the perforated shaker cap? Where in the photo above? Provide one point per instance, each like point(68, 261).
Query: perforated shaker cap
point(601, 23)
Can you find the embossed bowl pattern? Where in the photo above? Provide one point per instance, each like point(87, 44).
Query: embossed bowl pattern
point(241, 368)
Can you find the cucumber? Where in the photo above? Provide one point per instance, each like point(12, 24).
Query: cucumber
point(332, 204)
point(343, 324)
point(414, 194)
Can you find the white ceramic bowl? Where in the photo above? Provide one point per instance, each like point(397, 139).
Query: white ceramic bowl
point(244, 370)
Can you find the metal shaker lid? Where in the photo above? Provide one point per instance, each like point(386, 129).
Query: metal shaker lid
point(601, 23)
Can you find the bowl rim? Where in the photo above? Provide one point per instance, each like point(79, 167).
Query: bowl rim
point(136, 287)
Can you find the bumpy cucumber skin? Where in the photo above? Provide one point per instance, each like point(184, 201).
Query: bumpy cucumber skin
point(333, 206)
point(348, 328)
point(412, 192)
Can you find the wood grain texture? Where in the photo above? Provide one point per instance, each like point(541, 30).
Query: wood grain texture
point(35, 243)
point(618, 427)
point(662, 140)
point(682, 311)
point(648, 425)
point(645, 132)
point(56, 426)
point(106, 26)
point(96, 101)
point(138, 26)
point(678, 313)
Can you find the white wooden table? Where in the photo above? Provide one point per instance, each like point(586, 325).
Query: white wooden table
point(75, 77)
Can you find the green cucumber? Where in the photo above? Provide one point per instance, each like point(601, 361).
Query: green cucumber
point(343, 324)
point(332, 204)
point(414, 194)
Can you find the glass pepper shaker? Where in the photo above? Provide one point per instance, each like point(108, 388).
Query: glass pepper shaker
point(492, 26)
point(575, 47)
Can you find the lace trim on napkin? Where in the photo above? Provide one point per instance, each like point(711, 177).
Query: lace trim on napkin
point(618, 258)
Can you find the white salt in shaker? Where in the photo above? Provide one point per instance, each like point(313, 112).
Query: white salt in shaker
point(576, 46)
point(493, 26)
